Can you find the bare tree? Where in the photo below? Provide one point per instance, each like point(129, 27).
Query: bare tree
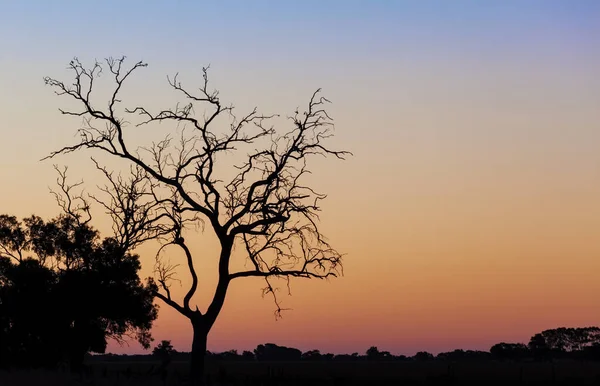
point(264, 207)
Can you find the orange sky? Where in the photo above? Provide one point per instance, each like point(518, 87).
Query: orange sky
point(470, 212)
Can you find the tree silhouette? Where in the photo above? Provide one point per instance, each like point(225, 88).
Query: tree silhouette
point(560, 341)
point(514, 351)
point(164, 348)
point(423, 356)
point(248, 355)
point(459, 355)
point(27, 295)
point(264, 207)
point(312, 355)
point(164, 351)
point(373, 353)
point(85, 289)
point(273, 352)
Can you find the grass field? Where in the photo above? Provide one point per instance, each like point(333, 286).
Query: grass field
point(324, 373)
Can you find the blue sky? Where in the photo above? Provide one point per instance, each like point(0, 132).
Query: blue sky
point(349, 28)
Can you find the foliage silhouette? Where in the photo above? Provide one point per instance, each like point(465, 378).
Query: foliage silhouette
point(372, 352)
point(26, 296)
point(270, 352)
point(165, 352)
point(64, 292)
point(511, 351)
point(423, 356)
point(273, 352)
point(311, 355)
point(563, 342)
point(248, 355)
point(264, 209)
point(164, 349)
point(458, 355)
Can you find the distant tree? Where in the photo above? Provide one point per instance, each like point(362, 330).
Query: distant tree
point(564, 341)
point(164, 349)
point(452, 355)
point(328, 357)
point(459, 354)
point(248, 355)
point(65, 291)
point(511, 351)
point(348, 357)
point(423, 356)
point(264, 207)
point(539, 347)
point(373, 353)
point(312, 355)
point(273, 352)
point(229, 355)
point(343, 357)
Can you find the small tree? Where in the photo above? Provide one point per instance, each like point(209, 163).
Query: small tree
point(164, 348)
point(264, 208)
point(164, 351)
point(373, 353)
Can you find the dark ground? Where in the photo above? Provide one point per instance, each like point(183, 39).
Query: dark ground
point(324, 373)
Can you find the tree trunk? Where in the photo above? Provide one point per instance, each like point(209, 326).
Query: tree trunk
point(197, 365)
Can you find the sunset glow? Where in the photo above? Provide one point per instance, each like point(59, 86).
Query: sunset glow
point(469, 213)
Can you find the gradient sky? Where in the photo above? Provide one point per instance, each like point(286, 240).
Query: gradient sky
point(470, 212)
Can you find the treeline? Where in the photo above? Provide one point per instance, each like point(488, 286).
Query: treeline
point(560, 343)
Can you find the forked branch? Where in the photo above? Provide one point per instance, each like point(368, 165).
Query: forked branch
point(267, 207)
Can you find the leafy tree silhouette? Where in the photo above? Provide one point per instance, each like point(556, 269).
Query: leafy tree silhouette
point(27, 298)
point(273, 352)
point(264, 208)
point(164, 351)
point(512, 351)
point(164, 348)
point(459, 354)
point(312, 355)
point(248, 355)
point(562, 341)
point(373, 353)
point(65, 291)
point(423, 356)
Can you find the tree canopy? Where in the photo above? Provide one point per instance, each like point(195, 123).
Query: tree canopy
point(64, 291)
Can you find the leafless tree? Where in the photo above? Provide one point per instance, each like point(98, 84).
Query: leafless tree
point(265, 207)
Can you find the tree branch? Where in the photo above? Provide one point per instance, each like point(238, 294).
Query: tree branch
point(266, 205)
point(188, 296)
point(68, 201)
